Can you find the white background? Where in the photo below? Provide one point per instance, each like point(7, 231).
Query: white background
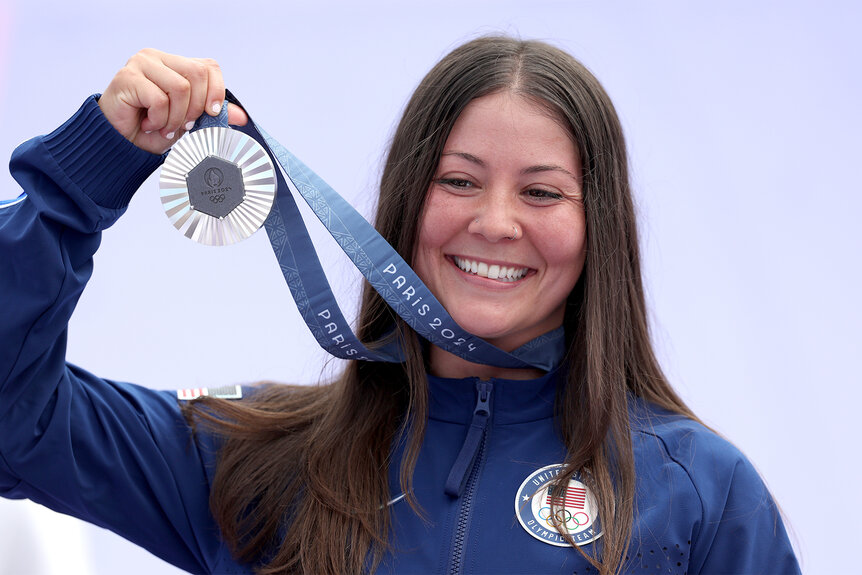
point(743, 123)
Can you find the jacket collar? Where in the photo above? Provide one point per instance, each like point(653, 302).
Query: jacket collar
point(512, 401)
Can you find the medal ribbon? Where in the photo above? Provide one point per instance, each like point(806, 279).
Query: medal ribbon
point(382, 266)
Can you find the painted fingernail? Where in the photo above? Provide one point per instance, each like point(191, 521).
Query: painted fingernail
point(170, 136)
point(216, 107)
point(189, 125)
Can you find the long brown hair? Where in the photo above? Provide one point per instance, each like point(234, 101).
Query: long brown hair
point(287, 453)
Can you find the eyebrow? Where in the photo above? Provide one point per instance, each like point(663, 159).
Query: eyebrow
point(466, 156)
point(531, 170)
point(548, 168)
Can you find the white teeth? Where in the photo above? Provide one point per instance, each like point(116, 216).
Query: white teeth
point(492, 271)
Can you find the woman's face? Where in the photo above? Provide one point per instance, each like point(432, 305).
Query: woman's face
point(508, 169)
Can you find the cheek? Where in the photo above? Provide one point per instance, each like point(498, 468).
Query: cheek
point(432, 235)
point(563, 243)
point(422, 254)
point(564, 250)
point(439, 223)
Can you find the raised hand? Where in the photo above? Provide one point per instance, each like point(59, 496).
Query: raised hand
point(156, 97)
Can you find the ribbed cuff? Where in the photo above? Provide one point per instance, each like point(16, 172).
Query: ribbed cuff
point(98, 159)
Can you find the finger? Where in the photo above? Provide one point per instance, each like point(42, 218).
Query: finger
point(152, 134)
point(155, 103)
point(178, 90)
point(215, 87)
point(236, 116)
point(198, 73)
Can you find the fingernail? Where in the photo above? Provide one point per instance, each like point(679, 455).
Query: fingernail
point(189, 125)
point(170, 136)
point(216, 107)
point(148, 132)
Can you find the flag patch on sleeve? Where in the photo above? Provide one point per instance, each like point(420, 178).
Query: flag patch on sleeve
point(223, 392)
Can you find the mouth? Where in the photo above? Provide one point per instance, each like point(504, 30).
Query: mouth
point(491, 271)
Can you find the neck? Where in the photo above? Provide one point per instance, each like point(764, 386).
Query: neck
point(445, 364)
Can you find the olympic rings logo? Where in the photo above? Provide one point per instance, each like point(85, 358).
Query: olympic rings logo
point(217, 199)
point(564, 517)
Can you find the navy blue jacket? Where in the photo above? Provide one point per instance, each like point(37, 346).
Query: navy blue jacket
point(122, 457)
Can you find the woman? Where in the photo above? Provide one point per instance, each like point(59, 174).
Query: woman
point(506, 188)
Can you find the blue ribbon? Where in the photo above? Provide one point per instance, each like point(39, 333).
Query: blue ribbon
point(385, 270)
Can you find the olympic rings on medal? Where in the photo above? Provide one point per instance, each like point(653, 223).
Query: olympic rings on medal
point(217, 199)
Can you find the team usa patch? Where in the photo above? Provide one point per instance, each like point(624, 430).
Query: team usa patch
point(575, 506)
point(223, 392)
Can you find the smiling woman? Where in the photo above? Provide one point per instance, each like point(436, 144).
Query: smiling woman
point(504, 197)
point(506, 187)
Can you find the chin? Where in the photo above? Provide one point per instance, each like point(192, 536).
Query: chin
point(498, 333)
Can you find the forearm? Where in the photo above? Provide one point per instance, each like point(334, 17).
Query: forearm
point(78, 181)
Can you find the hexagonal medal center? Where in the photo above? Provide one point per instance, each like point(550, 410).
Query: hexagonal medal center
point(215, 187)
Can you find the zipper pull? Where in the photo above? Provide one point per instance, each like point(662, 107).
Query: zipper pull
point(464, 462)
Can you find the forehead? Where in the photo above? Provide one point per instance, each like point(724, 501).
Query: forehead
point(508, 125)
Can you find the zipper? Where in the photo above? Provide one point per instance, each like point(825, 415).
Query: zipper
point(464, 475)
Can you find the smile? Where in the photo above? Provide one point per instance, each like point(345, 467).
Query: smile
point(490, 271)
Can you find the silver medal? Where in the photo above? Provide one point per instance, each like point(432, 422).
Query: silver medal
point(217, 186)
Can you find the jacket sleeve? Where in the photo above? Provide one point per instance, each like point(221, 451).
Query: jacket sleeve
point(113, 454)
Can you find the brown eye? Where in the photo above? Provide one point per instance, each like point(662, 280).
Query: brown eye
point(455, 183)
point(543, 195)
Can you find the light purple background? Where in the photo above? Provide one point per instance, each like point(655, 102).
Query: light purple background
point(743, 124)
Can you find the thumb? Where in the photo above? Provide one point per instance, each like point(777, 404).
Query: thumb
point(236, 115)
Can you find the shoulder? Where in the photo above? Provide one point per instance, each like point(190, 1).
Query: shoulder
point(706, 457)
point(733, 522)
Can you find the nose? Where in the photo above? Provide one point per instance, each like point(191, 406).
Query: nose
point(496, 219)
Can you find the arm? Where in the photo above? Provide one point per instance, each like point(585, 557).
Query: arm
point(113, 454)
